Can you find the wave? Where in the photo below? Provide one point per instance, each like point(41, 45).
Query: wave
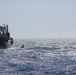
point(44, 48)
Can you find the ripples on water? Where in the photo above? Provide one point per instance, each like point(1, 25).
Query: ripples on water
point(39, 57)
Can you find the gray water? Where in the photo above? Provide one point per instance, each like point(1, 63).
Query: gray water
point(39, 57)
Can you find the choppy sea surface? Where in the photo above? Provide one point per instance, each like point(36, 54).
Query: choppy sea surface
point(39, 57)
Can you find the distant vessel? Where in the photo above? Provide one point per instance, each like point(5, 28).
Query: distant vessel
point(5, 39)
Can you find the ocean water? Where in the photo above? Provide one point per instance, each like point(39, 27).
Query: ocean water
point(39, 57)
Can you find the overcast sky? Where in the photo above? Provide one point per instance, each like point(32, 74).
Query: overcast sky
point(39, 18)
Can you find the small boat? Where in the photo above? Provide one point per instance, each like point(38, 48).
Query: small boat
point(5, 39)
